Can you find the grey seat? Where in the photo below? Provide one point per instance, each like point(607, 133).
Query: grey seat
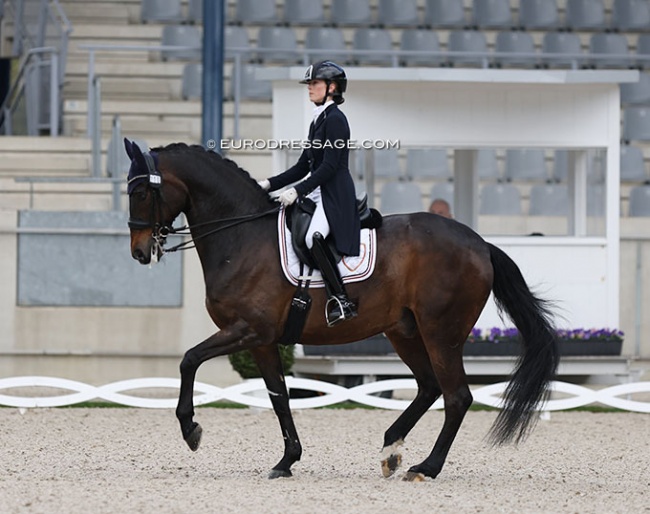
point(636, 124)
point(326, 39)
point(400, 198)
point(397, 13)
point(595, 167)
point(468, 41)
point(303, 12)
point(386, 163)
point(538, 14)
point(636, 93)
point(444, 190)
point(595, 200)
point(640, 201)
point(632, 166)
point(612, 50)
point(427, 163)
point(564, 47)
point(161, 11)
point(182, 35)
point(549, 200)
point(192, 81)
point(250, 87)
point(492, 14)
point(195, 11)
point(500, 199)
point(487, 164)
point(280, 45)
point(643, 50)
point(445, 14)
point(630, 15)
point(585, 15)
point(520, 45)
point(256, 12)
point(373, 39)
point(525, 164)
point(422, 41)
point(351, 12)
point(237, 37)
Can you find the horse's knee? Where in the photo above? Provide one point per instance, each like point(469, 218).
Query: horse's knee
point(189, 362)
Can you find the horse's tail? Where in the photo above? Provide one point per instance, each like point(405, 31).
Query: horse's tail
point(539, 360)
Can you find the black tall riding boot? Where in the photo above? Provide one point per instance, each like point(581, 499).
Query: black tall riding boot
point(339, 307)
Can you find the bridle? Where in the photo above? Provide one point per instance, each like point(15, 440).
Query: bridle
point(159, 229)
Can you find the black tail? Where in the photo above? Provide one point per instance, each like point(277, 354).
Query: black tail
point(539, 360)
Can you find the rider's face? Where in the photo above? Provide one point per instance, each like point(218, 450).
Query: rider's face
point(316, 90)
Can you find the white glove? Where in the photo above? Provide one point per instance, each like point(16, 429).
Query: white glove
point(288, 197)
point(264, 184)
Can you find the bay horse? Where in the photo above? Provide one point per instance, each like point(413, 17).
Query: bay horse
point(431, 281)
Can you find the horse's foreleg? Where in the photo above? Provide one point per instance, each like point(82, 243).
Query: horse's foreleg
point(230, 339)
point(270, 365)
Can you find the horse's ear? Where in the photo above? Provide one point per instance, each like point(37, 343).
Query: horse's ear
point(128, 146)
point(138, 156)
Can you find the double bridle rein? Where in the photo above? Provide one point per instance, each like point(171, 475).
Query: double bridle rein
point(160, 230)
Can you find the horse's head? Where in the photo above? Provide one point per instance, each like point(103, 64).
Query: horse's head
point(150, 212)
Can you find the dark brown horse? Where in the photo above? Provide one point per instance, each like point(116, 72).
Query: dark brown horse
point(432, 279)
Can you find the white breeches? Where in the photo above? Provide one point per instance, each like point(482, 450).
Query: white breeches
point(319, 220)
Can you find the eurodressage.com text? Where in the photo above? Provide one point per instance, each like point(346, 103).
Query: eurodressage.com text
point(300, 144)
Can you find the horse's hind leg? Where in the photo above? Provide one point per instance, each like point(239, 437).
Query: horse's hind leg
point(412, 351)
point(447, 363)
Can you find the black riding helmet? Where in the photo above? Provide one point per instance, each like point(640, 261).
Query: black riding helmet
point(329, 72)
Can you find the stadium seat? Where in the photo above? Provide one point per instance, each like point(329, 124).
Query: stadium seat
point(386, 163)
point(351, 12)
point(636, 124)
point(445, 14)
point(500, 199)
point(632, 166)
point(515, 43)
point(195, 11)
point(397, 13)
point(182, 35)
point(562, 48)
point(373, 39)
point(427, 163)
point(636, 93)
point(630, 15)
point(585, 15)
point(326, 39)
point(640, 201)
point(525, 164)
point(400, 198)
point(250, 87)
point(538, 14)
point(443, 190)
point(643, 51)
point(609, 44)
point(595, 200)
point(192, 81)
point(549, 200)
point(161, 11)
point(256, 12)
point(236, 37)
point(468, 41)
point(595, 167)
point(487, 164)
point(303, 12)
point(423, 41)
point(281, 45)
point(492, 14)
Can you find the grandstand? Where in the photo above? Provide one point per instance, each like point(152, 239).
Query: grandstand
point(153, 96)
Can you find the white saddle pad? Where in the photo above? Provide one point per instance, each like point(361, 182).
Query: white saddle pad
point(352, 269)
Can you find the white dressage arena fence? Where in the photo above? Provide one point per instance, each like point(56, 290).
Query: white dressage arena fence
point(247, 393)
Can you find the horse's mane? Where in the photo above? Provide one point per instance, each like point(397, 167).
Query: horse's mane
point(210, 155)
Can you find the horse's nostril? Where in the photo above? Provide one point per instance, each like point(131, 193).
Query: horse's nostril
point(140, 256)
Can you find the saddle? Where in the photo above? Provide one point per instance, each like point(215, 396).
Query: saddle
point(299, 216)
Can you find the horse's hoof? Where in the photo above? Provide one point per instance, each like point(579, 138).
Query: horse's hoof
point(280, 473)
point(413, 476)
point(194, 439)
point(390, 465)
